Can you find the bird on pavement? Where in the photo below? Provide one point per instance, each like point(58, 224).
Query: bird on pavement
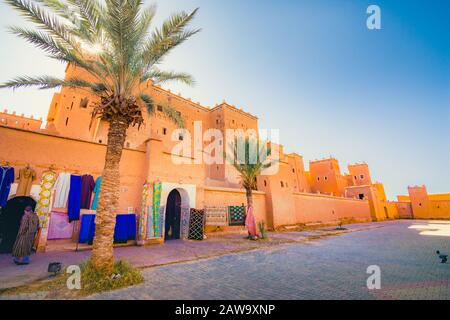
point(443, 257)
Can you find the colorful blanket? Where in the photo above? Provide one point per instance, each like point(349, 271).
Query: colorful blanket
point(216, 216)
point(43, 204)
point(236, 215)
point(144, 212)
point(157, 189)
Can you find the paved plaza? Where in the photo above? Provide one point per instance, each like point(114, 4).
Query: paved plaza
point(330, 268)
point(302, 265)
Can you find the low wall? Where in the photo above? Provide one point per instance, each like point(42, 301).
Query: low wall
point(310, 208)
point(214, 196)
point(404, 210)
point(392, 209)
point(439, 209)
point(40, 151)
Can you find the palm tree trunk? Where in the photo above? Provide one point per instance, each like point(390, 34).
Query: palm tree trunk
point(249, 194)
point(102, 252)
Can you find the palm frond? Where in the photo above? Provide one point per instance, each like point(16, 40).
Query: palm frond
point(41, 40)
point(49, 22)
point(158, 76)
point(109, 39)
point(173, 114)
point(148, 101)
point(46, 82)
point(169, 36)
point(250, 164)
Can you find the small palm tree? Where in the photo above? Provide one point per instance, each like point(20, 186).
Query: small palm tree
point(249, 157)
point(112, 41)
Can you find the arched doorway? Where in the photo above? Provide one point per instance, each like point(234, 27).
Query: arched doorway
point(10, 217)
point(173, 216)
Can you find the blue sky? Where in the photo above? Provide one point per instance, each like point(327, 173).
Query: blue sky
point(313, 70)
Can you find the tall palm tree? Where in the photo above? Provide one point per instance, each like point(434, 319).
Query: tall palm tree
point(125, 56)
point(249, 157)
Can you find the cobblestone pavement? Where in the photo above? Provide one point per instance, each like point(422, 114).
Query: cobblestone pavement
point(330, 268)
point(171, 252)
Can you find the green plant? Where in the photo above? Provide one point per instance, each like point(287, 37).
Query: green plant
point(93, 280)
point(262, 230)
point(340, 225)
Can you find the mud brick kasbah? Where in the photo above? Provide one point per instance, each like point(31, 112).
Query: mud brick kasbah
point(321, 194)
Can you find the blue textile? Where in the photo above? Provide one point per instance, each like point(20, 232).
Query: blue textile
point(6, 178)
point(124, 230)
point(73, 209)
point(22, 260)
point(87, 228)
point(98, 184)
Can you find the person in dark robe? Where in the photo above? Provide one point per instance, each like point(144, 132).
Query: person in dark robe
point(29, 225)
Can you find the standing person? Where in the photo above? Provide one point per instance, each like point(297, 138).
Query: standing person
point(29, 225)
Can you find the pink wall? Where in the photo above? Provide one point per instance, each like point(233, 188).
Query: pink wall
point(74, 156)
point(320, 208)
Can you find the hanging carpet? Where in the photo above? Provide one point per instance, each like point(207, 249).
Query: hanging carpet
point(236, 215)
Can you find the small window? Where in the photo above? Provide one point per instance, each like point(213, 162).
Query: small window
point(67, 121)
point(293, 170)
point(217, 121)
point(265, 183)
point(164, 131)
point(326, 178)
point(159, 108)
point(361, 176)
point(318, 178)
point(100, 141)
point(361, 196)
point(232, 121)
point(180, 137)
point(420, 204)
point(282, 184)
point(71, 105)
point(84, 103)
point(356, 178)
